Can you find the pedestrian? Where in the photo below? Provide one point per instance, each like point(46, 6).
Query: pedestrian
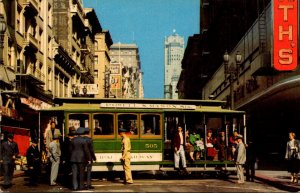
point(240, 158)
point(65, 156)
point(292, 155)
point(179, 150)
point(50, 132)
point(80, 156)
point(89, 142)
point(33, 162)
point(125, 159)
point(250, 161)
point(9, 152)
point(54, 153)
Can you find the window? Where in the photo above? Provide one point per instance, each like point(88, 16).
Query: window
point(128, 122)
point(103, 124)
point(77, 120)
point(95, 60)
point(150, 125)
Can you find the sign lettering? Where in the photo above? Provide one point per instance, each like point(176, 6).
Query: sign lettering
point(146, 106)
point(285, 34)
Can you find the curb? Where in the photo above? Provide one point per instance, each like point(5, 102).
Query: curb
point(277, 183)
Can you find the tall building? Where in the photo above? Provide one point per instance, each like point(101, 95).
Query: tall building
point(269, 97)
point(46, 49)
point(174, 50)
point(102, 60)
point(126, 70)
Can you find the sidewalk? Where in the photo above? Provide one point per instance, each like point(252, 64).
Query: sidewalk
point(17, 173)
point(278, 179)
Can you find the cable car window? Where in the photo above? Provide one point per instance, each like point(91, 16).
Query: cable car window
point(150, 125)
point(103, 124)
point(128, 122)
point(77, 120)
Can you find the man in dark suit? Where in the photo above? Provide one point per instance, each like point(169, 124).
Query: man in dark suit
point(33, 162)
point(89, 142)
point(9, 152)
point(80, 155)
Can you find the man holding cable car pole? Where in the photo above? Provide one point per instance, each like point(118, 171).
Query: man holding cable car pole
point(179, 150)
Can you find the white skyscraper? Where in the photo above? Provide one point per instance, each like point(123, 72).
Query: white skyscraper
point(174, 50)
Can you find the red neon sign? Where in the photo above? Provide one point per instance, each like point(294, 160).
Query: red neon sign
point(285, 34)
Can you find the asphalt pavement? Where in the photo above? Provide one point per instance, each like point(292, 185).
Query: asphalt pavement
point(278, 179)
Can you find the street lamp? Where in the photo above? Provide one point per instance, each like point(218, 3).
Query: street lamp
point(233, 72)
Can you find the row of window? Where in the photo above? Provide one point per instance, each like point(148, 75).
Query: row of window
point(104, 124)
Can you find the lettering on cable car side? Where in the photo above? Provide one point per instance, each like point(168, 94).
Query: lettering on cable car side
point(135, 157)
point(285, 23)
point(147, 106)
point(151, 146)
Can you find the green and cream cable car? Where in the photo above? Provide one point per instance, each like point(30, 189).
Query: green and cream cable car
point(151, 124)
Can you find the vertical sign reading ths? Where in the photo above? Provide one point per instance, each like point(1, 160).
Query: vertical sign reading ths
point(285, 34)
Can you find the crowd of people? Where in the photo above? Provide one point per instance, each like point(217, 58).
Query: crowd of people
point(77, 154)
point(216, 149)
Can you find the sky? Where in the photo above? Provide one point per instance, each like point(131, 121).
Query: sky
point(146, 23)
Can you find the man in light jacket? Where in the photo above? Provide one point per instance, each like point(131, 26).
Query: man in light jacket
point(54, 153)
point(240, 158)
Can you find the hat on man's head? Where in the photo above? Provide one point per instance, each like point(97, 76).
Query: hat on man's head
point(122, 130)
point(239, 137)
point(10, 135)
point(34, 140)
point(80, 131)
point(72, 131)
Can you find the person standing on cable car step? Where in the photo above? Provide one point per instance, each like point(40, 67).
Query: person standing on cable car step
point(179, 150)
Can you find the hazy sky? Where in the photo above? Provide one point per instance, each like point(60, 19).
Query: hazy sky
point(147, 23)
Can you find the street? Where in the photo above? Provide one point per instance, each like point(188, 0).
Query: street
point(153, 183)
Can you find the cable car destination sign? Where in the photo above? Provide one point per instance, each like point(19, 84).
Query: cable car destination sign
point(285, 23)
point(147, 106)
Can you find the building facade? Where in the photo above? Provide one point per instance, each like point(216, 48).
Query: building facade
point(102, 60)
point(269, 97)
point(174, 50)
point(48, 48)
point(126, 71)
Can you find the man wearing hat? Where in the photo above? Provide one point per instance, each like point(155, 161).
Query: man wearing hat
point(125, 159)
point(54, 153)
point(80, 156)
point(89, 142)
point(240, 158)
point(9, 151)
point(33, 162)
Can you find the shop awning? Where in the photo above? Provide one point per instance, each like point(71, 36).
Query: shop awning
point(6, 74)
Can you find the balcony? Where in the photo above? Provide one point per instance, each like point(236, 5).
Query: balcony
point(77, 10)
point(31, 7)
point(31, 42)
point(84, 49)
